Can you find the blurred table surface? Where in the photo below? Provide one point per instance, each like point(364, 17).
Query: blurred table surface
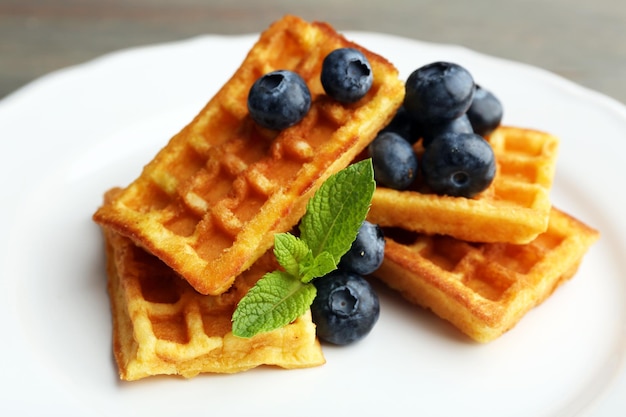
point(581, 40)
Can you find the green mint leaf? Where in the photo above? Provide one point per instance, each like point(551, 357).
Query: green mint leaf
point(320, 266)
point(295, 256)
point(337, 210)
point(334, 215)
point(273, 302)
point(291, 252)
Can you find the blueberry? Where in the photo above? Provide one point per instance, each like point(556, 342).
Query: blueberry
point(279, 99)
point(438, 92)
point(346, 75)
point(394, 161)
point(367, 251)
point(346, 307)
point(403, 125)
point(458, 164)
point(485, 112)
point(459, 125)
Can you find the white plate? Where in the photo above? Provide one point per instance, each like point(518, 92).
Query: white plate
point(70, 135)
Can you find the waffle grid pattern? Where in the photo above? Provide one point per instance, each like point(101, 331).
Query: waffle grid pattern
point(163, 326)
point(484, 288)
point(515, 208)
point(210, 202)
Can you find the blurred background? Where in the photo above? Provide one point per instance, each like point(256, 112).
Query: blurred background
point(582, 40)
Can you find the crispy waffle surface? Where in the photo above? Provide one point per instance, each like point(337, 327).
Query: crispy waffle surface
point(162, 326)
point(484, 289)
point(212, 199)
point(515, 208)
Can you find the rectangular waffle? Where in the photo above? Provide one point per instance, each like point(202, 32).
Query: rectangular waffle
point(515, 208)
point(212, 199)
point(484, 289)
point(162, 326)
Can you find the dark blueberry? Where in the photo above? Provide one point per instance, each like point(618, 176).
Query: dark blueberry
point(403, 126)
point(458, 164)
point(459, 125)
point(345, 308)
point(485, 112)
point(346, 75)
point(279, 99)
point(394, 161)
point(438, 92)
point(367, 251)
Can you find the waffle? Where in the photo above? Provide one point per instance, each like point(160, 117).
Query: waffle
point(212, 199)
point(162, 326)
point(515, 208)
point(484, 289)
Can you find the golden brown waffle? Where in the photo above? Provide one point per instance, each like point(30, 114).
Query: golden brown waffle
point(162, 326)
point(484, 289)
point(211, 201)
point(515, 208)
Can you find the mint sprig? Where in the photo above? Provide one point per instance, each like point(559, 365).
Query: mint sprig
point(330, 225)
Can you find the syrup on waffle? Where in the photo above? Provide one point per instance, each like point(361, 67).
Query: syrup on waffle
point(515, 208)
point(211, 201)
point(484, 289)
point(162, 326)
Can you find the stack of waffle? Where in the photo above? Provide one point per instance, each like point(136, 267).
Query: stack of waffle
point(194, 231)
point(163, 326)
point(206, 209)
point(482, 263)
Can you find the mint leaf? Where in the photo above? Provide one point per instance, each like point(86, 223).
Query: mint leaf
point(275, 301)
point(320, 266)
point(335, 213)
point(291, 253)
point(330, 225)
